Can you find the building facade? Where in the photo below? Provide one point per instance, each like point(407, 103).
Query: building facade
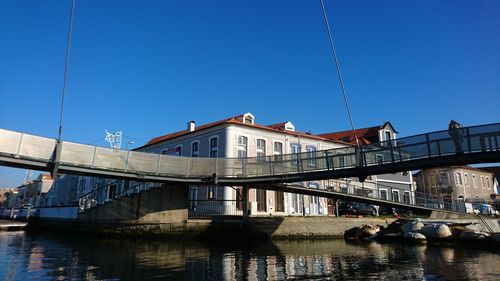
point(240, 136)
point(460, 183)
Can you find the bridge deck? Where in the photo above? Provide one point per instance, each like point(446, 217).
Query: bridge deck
point(478, 144)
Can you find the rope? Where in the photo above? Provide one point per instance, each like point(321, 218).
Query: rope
point(66, 69)
point(334, 53)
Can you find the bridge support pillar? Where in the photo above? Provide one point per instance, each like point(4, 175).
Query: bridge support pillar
point(56, 159)
point(245, 202)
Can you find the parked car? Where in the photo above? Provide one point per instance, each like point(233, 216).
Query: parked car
point(484, 209)
point(354, 208)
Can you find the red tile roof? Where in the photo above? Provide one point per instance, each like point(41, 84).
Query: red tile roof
point(362, 135)
point(280, 125)
point(237, 120)
point(365, 135)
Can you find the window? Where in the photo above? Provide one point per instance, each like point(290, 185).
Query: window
point(261, 149)
point(278, 150)
point(388, 136)
point(311, 155)
point(395, 196)
point(261, 200)
point(295, 150)
point(380, 159)
point(279, 200)
point(214, 147)
point(212, 193)
point(483, 184)
point(178, 150)
point(111, 192)
point(383, 194)
point(487, 181)
point(406, 197)
point(443, 179)
point(474, 181)
point(195, 149)
point(175, 151)
point(341, 162)
point(432, 181)
point(466, 179)
point(458, 178)
point(242, 147)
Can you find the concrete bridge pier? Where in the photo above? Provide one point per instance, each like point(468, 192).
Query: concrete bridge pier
point(162, 210)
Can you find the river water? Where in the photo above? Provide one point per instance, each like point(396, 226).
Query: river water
point(44, 256)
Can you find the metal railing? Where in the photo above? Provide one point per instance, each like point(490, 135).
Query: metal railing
point(385, 195)
point(207, 209)
point(474, 139)
point(100, 196)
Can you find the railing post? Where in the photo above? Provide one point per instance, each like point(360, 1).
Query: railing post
point(244, 167)
point(93, 156)
point(392, 150)
point(468, 140)
point(428, 145)
point(126, 160)
point(158, 164)
point(57, 159)
point(271, 172)
point(245, 202)
point(188, 166)
point(19, 144)
point(300, 168)
point(216, 159)
point(327, 160)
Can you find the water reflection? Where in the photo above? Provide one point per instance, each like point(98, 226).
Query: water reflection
point(59, 257)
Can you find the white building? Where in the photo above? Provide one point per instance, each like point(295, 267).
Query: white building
point(240, 136)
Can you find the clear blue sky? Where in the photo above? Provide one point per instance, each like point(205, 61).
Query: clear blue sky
point(148, 67)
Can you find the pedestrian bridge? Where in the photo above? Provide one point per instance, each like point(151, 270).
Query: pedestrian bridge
point(477, 144)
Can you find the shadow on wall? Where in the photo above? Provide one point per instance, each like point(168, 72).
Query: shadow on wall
point(234, 228)
point(167, 204)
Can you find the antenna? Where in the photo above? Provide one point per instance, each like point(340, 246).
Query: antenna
point(115, 140)
point(28, 176)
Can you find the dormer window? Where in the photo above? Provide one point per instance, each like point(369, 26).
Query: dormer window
point(289, 126)
point(388, 136)
point(248, 118)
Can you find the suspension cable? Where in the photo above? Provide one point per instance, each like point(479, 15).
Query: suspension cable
point(66, 69)
point(334, 53)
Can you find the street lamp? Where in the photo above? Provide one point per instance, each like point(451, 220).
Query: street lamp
point(130, 142)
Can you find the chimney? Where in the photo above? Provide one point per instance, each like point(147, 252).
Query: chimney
point(191, 126)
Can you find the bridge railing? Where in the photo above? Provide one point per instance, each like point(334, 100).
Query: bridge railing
point(471, 140)
point(391, 194)
point(206, 209)
point(26, 146)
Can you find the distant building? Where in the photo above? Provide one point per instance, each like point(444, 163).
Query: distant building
point(35, 189)
point(461, 183)
point(32, 191)
point(496, 175)
point(63, 192)
point(8, 197)
point(398, 187)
